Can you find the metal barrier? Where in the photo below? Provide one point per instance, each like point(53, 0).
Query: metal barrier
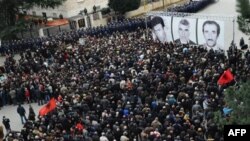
point(48, 31)
point(51, 31)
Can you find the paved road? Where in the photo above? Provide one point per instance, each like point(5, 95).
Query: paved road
point(2, 59)
point(10, 112)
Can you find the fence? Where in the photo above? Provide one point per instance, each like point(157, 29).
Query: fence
point(28, 33)
point(51, 31)
point(48, 31)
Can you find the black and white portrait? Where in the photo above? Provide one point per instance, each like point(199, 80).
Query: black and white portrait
point(160, 26)
point(184, 31)
point(211, 34)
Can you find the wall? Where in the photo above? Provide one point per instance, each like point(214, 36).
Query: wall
point(49, 12)
point(100, 21)
point(73, 8)
point(140, 10)
point(70, 8)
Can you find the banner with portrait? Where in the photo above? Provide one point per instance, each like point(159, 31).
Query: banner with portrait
point(192, 31)
point(211, 34)
point(184, 30)
point(161, 28)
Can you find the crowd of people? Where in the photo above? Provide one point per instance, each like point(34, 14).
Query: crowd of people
point(120, 86)
point(191, 7)
point(15, 46)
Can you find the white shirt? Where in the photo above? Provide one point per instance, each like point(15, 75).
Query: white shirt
point(103, 138)
point(124, 138)
point(215, 48)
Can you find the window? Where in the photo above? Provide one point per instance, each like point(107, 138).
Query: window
point(54, 15)
point(81, 23)
point(44, 14)
point(34, 13)
point(96, 16)
point(61, 16)
point(98, 8)
point(72, 24)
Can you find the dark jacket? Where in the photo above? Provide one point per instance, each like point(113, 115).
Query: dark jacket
point(21, 111)
point(6, 123)
point(178, 41)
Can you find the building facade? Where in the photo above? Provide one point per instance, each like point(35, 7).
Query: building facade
point(75, 11)
point(70, 8)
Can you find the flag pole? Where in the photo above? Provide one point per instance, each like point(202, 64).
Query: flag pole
point(144, 4)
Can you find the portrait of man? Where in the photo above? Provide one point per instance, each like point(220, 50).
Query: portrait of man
point(159, 29)
point(184, 33)
point(211, 32)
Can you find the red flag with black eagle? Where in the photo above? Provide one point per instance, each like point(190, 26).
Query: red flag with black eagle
point(226, 77)
point(51, 105)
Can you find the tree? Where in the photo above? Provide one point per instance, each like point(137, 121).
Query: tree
point(237, 99)
point(123, 6)
point(105, 11)
point(243, 8)
point(11, 13)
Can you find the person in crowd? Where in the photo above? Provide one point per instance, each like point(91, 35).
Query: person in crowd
point(184, 33)
point(191, 6)
point(103, 137)
point(32, 114)
point(27, 94)
point(1, 133)
point(124, 137)
point(159, 29)
point(242, 42)
point(21, 111)
point(6, 123)
point(211, 32)
point(122, 86)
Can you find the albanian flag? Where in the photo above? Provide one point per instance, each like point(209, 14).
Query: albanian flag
point(79, 126)
point(51, 105)
point(226, 77)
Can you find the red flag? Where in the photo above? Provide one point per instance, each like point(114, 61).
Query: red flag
point(226, 77)
point(51, 105)
point(79, 126)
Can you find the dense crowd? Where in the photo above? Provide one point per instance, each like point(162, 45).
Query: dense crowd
point(121, 86)
point(192, 6)
point(16, 46)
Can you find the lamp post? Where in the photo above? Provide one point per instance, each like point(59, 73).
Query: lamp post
point(233, 30)
point(163, 3)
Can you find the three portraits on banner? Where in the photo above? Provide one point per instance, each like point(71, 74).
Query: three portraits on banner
point(192, 31)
